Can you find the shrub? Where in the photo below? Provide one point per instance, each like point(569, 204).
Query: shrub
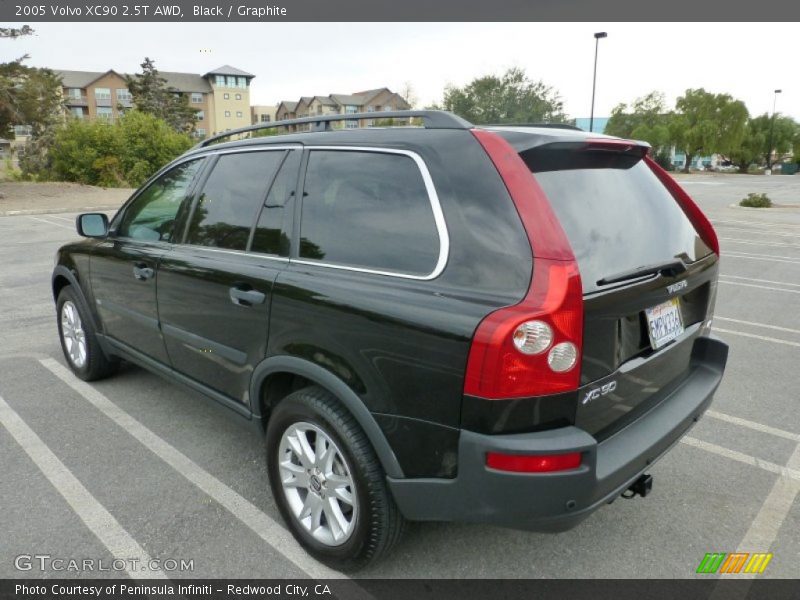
point(756, 201)
point(126, 152)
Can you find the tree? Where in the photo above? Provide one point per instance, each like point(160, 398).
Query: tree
point(15, 32)
point(152, 96)
point(755, 142)
point(646, 119)
point(508, 98)
point(781, 133)
point(706, 123)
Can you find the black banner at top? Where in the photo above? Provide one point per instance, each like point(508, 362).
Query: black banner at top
point(31, 11)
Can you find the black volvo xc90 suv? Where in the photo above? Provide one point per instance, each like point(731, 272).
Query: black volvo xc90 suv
point(504, 325)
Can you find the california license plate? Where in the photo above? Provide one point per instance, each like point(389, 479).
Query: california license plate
point(664, 322)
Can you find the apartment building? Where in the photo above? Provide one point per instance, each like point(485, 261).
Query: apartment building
point(371, 101)
point(221, 97)
point(261, 113)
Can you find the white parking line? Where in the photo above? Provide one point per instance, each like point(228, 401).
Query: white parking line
point(789, 472)
point(795, 437)
point(51, 223)
point(764, 529)
point(759, 243)
point(755, 224)
point(761, 287)
point(755, 324)
point(784, 283)
point(761, 231)
point(260, 523)
point(99, 521)
point(758, 337)
point(768, 257)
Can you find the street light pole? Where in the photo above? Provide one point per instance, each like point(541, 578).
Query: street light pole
point(597, 36)
point(772, 129)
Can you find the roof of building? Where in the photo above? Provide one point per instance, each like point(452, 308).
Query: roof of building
point(184, 82)
point(229, 70)
point(355, 99)
point(288, 105)
point(325, 100)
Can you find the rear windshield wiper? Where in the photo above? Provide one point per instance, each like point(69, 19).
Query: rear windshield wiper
point(671, 269)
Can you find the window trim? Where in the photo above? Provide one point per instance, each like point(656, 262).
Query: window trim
point(433, 198)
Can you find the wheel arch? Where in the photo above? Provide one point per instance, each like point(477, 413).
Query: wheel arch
point(273, 378)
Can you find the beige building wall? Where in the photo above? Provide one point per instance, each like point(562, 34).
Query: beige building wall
point(230, 107)
point(260, 110)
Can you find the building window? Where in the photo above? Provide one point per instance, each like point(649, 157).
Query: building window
point(350, 109)
point(102, 93)
point(239, 114)
point(200, 115)
point(76, 111)
point(238, 96)
point(74, 93)
point(105, 113)
point(219, 80)
point(124, 97)
point(231, 81)
point(22, 130)
point(200, 132)
point(265, 119)
point(197, 98)
point(387, 109)
point(242, 82)
point(227, 113)
point(351, 124)
point(370, 109)
point(226, 96)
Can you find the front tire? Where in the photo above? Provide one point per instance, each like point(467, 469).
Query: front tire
point(328, 483)
point(79, 341)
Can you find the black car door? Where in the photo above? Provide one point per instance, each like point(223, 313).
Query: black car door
point(214, 290)
point(124, 266)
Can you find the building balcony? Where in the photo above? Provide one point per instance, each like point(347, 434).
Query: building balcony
point(125, 102)
point(75, 101)
point(102, 101)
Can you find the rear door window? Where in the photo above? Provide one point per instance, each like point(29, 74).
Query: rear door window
point(368, 210)
point(231, 198)
point(616, 213)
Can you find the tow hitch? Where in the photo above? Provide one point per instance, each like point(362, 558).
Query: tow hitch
point(640, 487)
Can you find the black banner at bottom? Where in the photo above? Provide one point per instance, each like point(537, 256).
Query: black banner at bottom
point(399, 589)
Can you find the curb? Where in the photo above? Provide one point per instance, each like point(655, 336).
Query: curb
point(47, 211)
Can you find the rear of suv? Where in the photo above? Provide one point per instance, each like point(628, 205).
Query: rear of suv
point(503, 325)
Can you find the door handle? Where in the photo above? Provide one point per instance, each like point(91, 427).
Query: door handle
point(142, 272)
point(245, 296)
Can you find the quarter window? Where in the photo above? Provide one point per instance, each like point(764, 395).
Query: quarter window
point(368, 210)
point(231, 198)
point(152, 214)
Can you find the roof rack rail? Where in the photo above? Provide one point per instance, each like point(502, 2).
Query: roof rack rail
point(543, 125)
point(432, 119)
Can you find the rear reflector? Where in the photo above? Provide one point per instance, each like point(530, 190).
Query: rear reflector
point(536, 463)
point(700, 222)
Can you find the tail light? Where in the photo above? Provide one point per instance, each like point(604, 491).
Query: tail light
point(700, 222)
point(532, 348)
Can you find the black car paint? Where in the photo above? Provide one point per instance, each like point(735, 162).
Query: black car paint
point(397, 346)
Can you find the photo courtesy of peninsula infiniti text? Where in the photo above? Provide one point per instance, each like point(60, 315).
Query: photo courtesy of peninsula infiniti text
point(432, 322)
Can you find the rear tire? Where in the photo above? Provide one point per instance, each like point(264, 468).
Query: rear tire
point(328, 483)
point(79, 340)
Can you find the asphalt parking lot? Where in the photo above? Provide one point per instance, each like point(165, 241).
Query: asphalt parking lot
point(135, 467)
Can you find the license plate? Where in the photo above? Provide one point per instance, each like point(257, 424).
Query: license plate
point(664, 322)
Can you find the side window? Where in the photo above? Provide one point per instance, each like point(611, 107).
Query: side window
point(368, 210)
point(270, 236)
point(151, 216)
point(231, 199)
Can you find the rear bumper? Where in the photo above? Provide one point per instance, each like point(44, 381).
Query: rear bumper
point(559, 501)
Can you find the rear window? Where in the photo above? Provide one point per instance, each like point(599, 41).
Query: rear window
point(616, 213)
